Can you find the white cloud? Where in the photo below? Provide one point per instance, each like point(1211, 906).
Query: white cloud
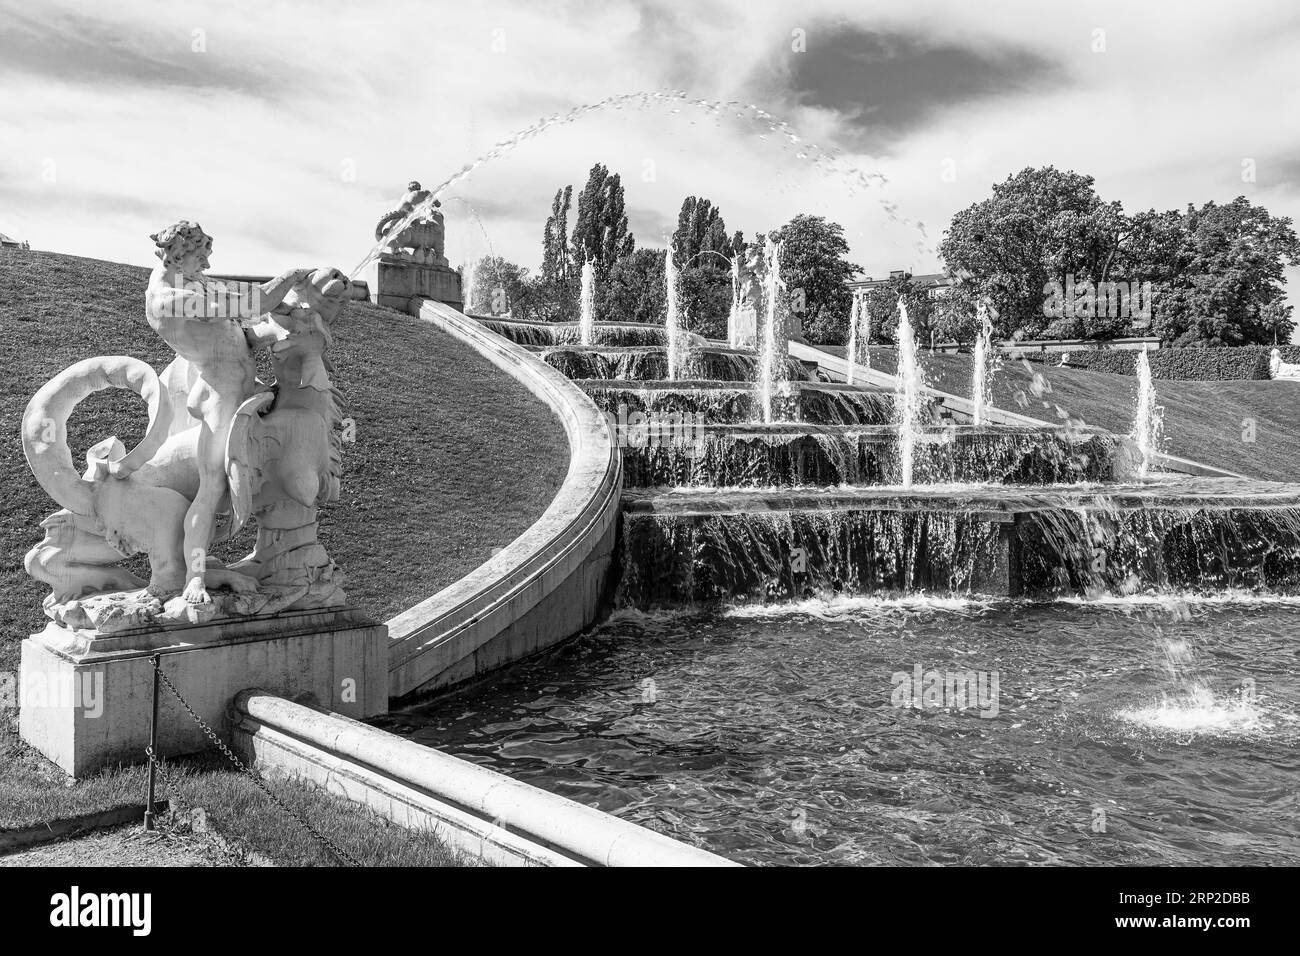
point(401, 90)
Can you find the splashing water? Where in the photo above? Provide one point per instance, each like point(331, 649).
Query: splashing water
point(859, 350)
point(908, 384)
point(1191, 706)
point(1148, 422)
point(733, 317)
point(467, 287)
point(852, 353)
point(771, 372)
point(980, 376)
point(468, 269)
point(672, 316)
point(587, 302)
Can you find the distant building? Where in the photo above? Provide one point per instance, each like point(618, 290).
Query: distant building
point(936, 284)
point(8, 243)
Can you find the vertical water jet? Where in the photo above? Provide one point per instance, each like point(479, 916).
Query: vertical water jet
point(587, 304)
point(1148, 421)
point(979, 377)
point(908, 383)
point(771, 375)
point(672, 317)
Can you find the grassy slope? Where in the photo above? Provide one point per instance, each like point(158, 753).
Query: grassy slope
point(452, 458)
point(1203, 420)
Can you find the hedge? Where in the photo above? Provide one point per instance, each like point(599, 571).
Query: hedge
point(1196, 364)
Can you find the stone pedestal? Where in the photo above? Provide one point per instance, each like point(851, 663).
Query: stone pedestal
point(394, 281)
point(86, 698)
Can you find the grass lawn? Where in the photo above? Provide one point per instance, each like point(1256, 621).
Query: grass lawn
point(247, 823)
point(1203, 420)
point(453, 459)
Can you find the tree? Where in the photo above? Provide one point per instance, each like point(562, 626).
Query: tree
point(702, 253)
point(499, 286)
point(635, 289)
point(1216, 272)
point(1220, 278)
point(1040, 225)
point(555, 292)
point(817, 273)
point(600, 231)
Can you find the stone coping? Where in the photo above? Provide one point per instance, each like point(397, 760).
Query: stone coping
point(1208, 494)
point(444, 629)
point(465, 804)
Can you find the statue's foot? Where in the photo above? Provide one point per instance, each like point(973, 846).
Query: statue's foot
point(196, 593)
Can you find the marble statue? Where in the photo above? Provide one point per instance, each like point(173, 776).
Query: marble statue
point(221, 447)
point(748, 296)
point(1279, 369)
point(420, 231)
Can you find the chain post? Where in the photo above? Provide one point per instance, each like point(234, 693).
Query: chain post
point(149, 822)
point(337, 851)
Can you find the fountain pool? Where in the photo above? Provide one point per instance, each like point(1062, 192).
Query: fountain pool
point(1101, 655)
point(770, 734)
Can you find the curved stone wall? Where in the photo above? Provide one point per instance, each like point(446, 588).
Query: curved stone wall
point(546, 585)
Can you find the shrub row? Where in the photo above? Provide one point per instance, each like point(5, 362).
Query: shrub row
point(1206, 365)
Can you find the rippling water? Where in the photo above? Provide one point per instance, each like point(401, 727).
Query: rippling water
point(769, 734)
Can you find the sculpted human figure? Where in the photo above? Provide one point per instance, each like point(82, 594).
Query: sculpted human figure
point(423, 236)
point(191, 314)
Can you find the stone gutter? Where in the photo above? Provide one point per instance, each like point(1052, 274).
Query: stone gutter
point(481, 813)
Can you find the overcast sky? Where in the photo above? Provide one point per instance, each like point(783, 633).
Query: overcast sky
point(288, 128)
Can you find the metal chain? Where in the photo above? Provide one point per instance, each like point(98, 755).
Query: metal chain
point(326, 841)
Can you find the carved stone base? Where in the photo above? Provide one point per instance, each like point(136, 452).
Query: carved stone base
point(394, 282)
point(86, 697)
point(121, 611)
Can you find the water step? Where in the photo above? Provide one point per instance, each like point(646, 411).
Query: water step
point(548, 334)
point(737, 402)
point(688, 546)
point(672, 453)
point(648, 362)
point(1166, 494)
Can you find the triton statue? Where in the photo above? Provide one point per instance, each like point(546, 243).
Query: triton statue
point(221, 447)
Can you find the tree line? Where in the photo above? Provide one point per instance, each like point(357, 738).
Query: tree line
point(1044, 253)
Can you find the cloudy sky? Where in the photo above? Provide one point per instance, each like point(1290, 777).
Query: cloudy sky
point(287, 128)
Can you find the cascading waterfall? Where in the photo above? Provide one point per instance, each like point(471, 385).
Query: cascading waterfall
point(672, 317)
point(979, 378)
point(908, 405)
point(587, 304)
point(1148, 422)
point(771, 375)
